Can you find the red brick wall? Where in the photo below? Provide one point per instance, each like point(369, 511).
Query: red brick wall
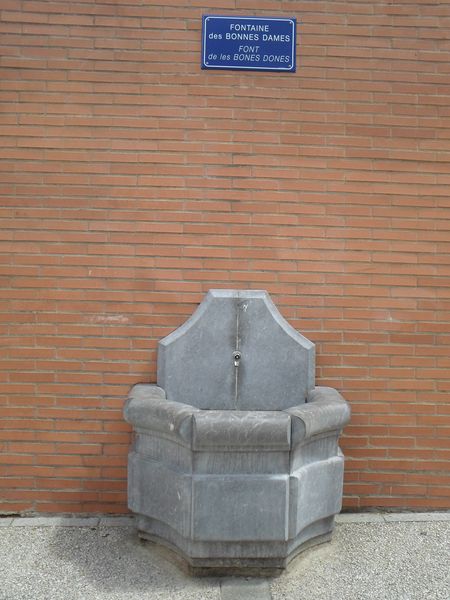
point(132, 182)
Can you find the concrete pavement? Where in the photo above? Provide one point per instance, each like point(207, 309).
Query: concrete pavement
point(373, 556)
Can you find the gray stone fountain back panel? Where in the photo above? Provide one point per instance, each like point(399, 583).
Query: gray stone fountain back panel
point(236, 352)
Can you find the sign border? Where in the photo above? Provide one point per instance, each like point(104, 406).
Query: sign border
point(291, 69)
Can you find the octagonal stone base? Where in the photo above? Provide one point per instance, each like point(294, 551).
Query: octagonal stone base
point(211, 559)
point(235, 491)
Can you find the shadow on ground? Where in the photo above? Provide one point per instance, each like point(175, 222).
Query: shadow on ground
point(98, 563)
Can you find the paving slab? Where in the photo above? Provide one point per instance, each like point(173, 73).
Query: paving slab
point(245, 589)
point(360, 518)
point(416, 517)
point(126, 521)
point(56, 522)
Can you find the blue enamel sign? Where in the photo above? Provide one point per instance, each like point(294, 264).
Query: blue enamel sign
point(248, 43)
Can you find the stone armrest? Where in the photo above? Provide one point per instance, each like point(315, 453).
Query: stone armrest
point(148, 409)
point(325, 410)
point(247, 430)
point(232, 430)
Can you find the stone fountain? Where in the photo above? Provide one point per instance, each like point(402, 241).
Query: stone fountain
point(235, 463)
